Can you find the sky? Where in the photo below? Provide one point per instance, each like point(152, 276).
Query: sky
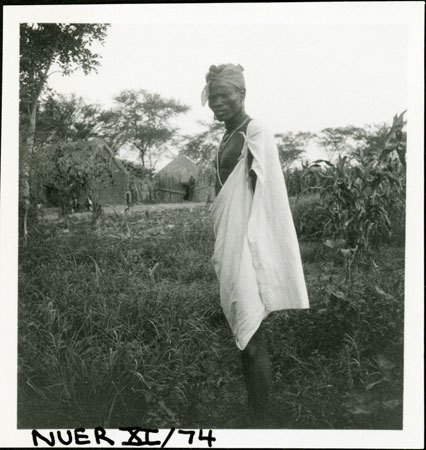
point(298, 77)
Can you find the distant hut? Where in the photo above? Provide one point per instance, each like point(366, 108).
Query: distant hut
point(181, 180)
point(112, 190)
point(125, 185)
point(116, 186)
point(173, 179)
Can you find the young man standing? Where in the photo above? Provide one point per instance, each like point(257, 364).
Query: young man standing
point(256, 256)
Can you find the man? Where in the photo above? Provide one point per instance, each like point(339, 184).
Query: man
point(256, 256)
point(191, 187)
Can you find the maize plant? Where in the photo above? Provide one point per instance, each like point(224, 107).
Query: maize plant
point(360, 194)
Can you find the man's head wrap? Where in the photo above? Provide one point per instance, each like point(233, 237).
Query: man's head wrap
point(230, 73)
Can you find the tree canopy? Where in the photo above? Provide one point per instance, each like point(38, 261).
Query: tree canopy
point(141, 120)
point(66, 45)
point(340, 140)
point(202, 147)
point(65, 119)
point(291, 146)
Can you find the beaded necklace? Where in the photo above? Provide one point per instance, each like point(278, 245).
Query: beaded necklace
point(223, 144)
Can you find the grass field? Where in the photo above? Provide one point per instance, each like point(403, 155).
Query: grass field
point(121, 326)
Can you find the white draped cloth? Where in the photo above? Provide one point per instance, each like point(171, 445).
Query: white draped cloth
point(256, 256)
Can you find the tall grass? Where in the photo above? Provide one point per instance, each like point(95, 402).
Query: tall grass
point(121, 325)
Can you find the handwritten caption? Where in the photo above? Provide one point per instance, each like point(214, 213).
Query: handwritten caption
point(135, 437)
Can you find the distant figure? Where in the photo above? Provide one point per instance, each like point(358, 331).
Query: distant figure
point(134, 192)
point(128, 200)
point(145, 190)
point(71, 205)
point(191, 187)
point(89, 204)
point(151, 188)
point(40, 209)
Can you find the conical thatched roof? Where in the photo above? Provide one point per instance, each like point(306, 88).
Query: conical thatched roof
point(180, 168)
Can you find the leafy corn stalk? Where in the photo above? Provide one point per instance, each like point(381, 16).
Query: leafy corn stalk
point(359, 195)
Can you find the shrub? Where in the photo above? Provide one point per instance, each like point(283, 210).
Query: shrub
point(358, 198)
point(307, 216)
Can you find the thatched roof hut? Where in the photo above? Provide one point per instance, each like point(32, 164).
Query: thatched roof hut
point(112, 184)
point(173, 182)
point(181, 168)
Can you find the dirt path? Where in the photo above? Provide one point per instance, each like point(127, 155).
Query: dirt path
point(53, 213)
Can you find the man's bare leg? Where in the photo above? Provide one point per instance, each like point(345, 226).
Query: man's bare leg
point(257, 374)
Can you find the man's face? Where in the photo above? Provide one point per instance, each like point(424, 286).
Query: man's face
point(225, 100)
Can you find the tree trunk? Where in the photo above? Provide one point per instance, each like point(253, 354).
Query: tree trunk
point(27, 149)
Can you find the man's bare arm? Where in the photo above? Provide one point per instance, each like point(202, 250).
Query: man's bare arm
point(252, 173)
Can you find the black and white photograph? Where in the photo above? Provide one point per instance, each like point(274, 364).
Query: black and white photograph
point(212, 225)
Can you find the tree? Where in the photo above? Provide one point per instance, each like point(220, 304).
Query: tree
point(42, 46)
point(396, 138)
point(380, 140)
point(202, 147)
point(142, 120)
point(340, 140)
point(292, 146)
point(66, 119)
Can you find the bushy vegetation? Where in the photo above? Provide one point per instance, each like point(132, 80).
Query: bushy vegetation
point(121, 325)
point(357, 205)
point(357, 200)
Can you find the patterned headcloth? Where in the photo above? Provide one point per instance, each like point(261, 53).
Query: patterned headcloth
point(231, 73)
